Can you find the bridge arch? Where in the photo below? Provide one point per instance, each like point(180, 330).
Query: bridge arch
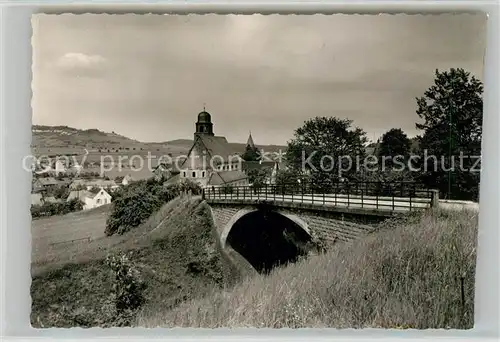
point(266, 238)
point(229, 225)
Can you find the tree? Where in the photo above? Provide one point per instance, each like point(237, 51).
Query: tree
point(326, 149)
point(251, 154)
point(95, 189)
point(130, 211)
point(61, 192)
point(133, 204)
point(257, 177)
point(451, 111)
point(394, 144)
point(288, 180)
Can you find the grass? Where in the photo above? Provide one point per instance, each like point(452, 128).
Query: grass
point(417, 273)
point(51, 236)
point(175, 251)
point(413, 272)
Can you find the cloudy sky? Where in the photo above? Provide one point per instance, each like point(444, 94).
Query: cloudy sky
point(147, 77)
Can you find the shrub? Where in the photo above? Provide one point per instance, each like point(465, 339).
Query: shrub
point(51, 209)
point(95, 189)
point(131, 210)
point(128, 288)
point(227, 189)
point(133, 204)
point(185, 185)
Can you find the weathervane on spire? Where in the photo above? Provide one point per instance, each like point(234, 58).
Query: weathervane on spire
point(204, 106)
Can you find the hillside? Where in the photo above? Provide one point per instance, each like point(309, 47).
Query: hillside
point(64, 139)
point(410, 274)
point(176, 252)
point(61, 136)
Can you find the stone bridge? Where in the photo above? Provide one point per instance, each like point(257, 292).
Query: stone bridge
point(271, 226)
point(266, 234)
point(329, 226)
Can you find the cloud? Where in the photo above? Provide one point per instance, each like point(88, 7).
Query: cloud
point(258, 72)
point(81, 64)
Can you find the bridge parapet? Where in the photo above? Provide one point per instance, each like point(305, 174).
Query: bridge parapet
point(384, 198)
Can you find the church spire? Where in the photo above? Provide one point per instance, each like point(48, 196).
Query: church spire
point(250, 144)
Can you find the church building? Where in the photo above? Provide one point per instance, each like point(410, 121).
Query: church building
point(211, 160)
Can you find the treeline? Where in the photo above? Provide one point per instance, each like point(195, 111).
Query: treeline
point(56, 208)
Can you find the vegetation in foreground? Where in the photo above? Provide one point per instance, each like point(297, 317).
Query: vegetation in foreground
point(174, 253)
point(414, 273)
point(135, 203)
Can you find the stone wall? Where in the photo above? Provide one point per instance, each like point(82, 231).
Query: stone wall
point(329, 227)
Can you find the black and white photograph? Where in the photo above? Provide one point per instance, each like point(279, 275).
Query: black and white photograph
point(255, 171)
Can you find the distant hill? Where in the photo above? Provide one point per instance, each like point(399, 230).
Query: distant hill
point(59, 138)
point(63, 136)
point(187, 143)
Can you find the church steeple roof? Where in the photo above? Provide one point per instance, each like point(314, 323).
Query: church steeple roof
point(250, 143)
point(204, 125)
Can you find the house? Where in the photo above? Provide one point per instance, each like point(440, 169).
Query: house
point(90, 200)
point(127, 180)
point(60, 167)
point(124, 180)
point(51, 199)
point(77, 184)
point(162, 171)
point(36, 186)
point(221, 178)
point(209, 154)
point(45, 182)
point(36, 199)
point(138, 173)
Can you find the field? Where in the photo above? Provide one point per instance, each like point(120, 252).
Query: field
point(176, 254)
point(60, 236)
point(68, 141)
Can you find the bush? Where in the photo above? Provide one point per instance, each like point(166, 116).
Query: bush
point(51, 209)
point(128, 288)
point(95, 189)
point(133, 204)
point(130, 211)
point(227, 189)
point(60, 192)
point(184, 186)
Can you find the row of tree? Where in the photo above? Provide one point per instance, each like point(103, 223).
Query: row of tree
point(57, 208)
point(446, 156)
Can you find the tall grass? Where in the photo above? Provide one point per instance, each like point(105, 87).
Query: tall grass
point(414, 274)
point(174, 251)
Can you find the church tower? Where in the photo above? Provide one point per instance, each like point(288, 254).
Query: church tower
point(250, 144)
point(204, 124)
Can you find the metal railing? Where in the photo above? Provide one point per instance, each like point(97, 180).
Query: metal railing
point(87, 239)
point(370, 195)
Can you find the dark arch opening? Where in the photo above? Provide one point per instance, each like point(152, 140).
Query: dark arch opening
point(267, 239)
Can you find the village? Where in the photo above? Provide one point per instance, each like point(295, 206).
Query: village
point(210, 162)
point(333, 181)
